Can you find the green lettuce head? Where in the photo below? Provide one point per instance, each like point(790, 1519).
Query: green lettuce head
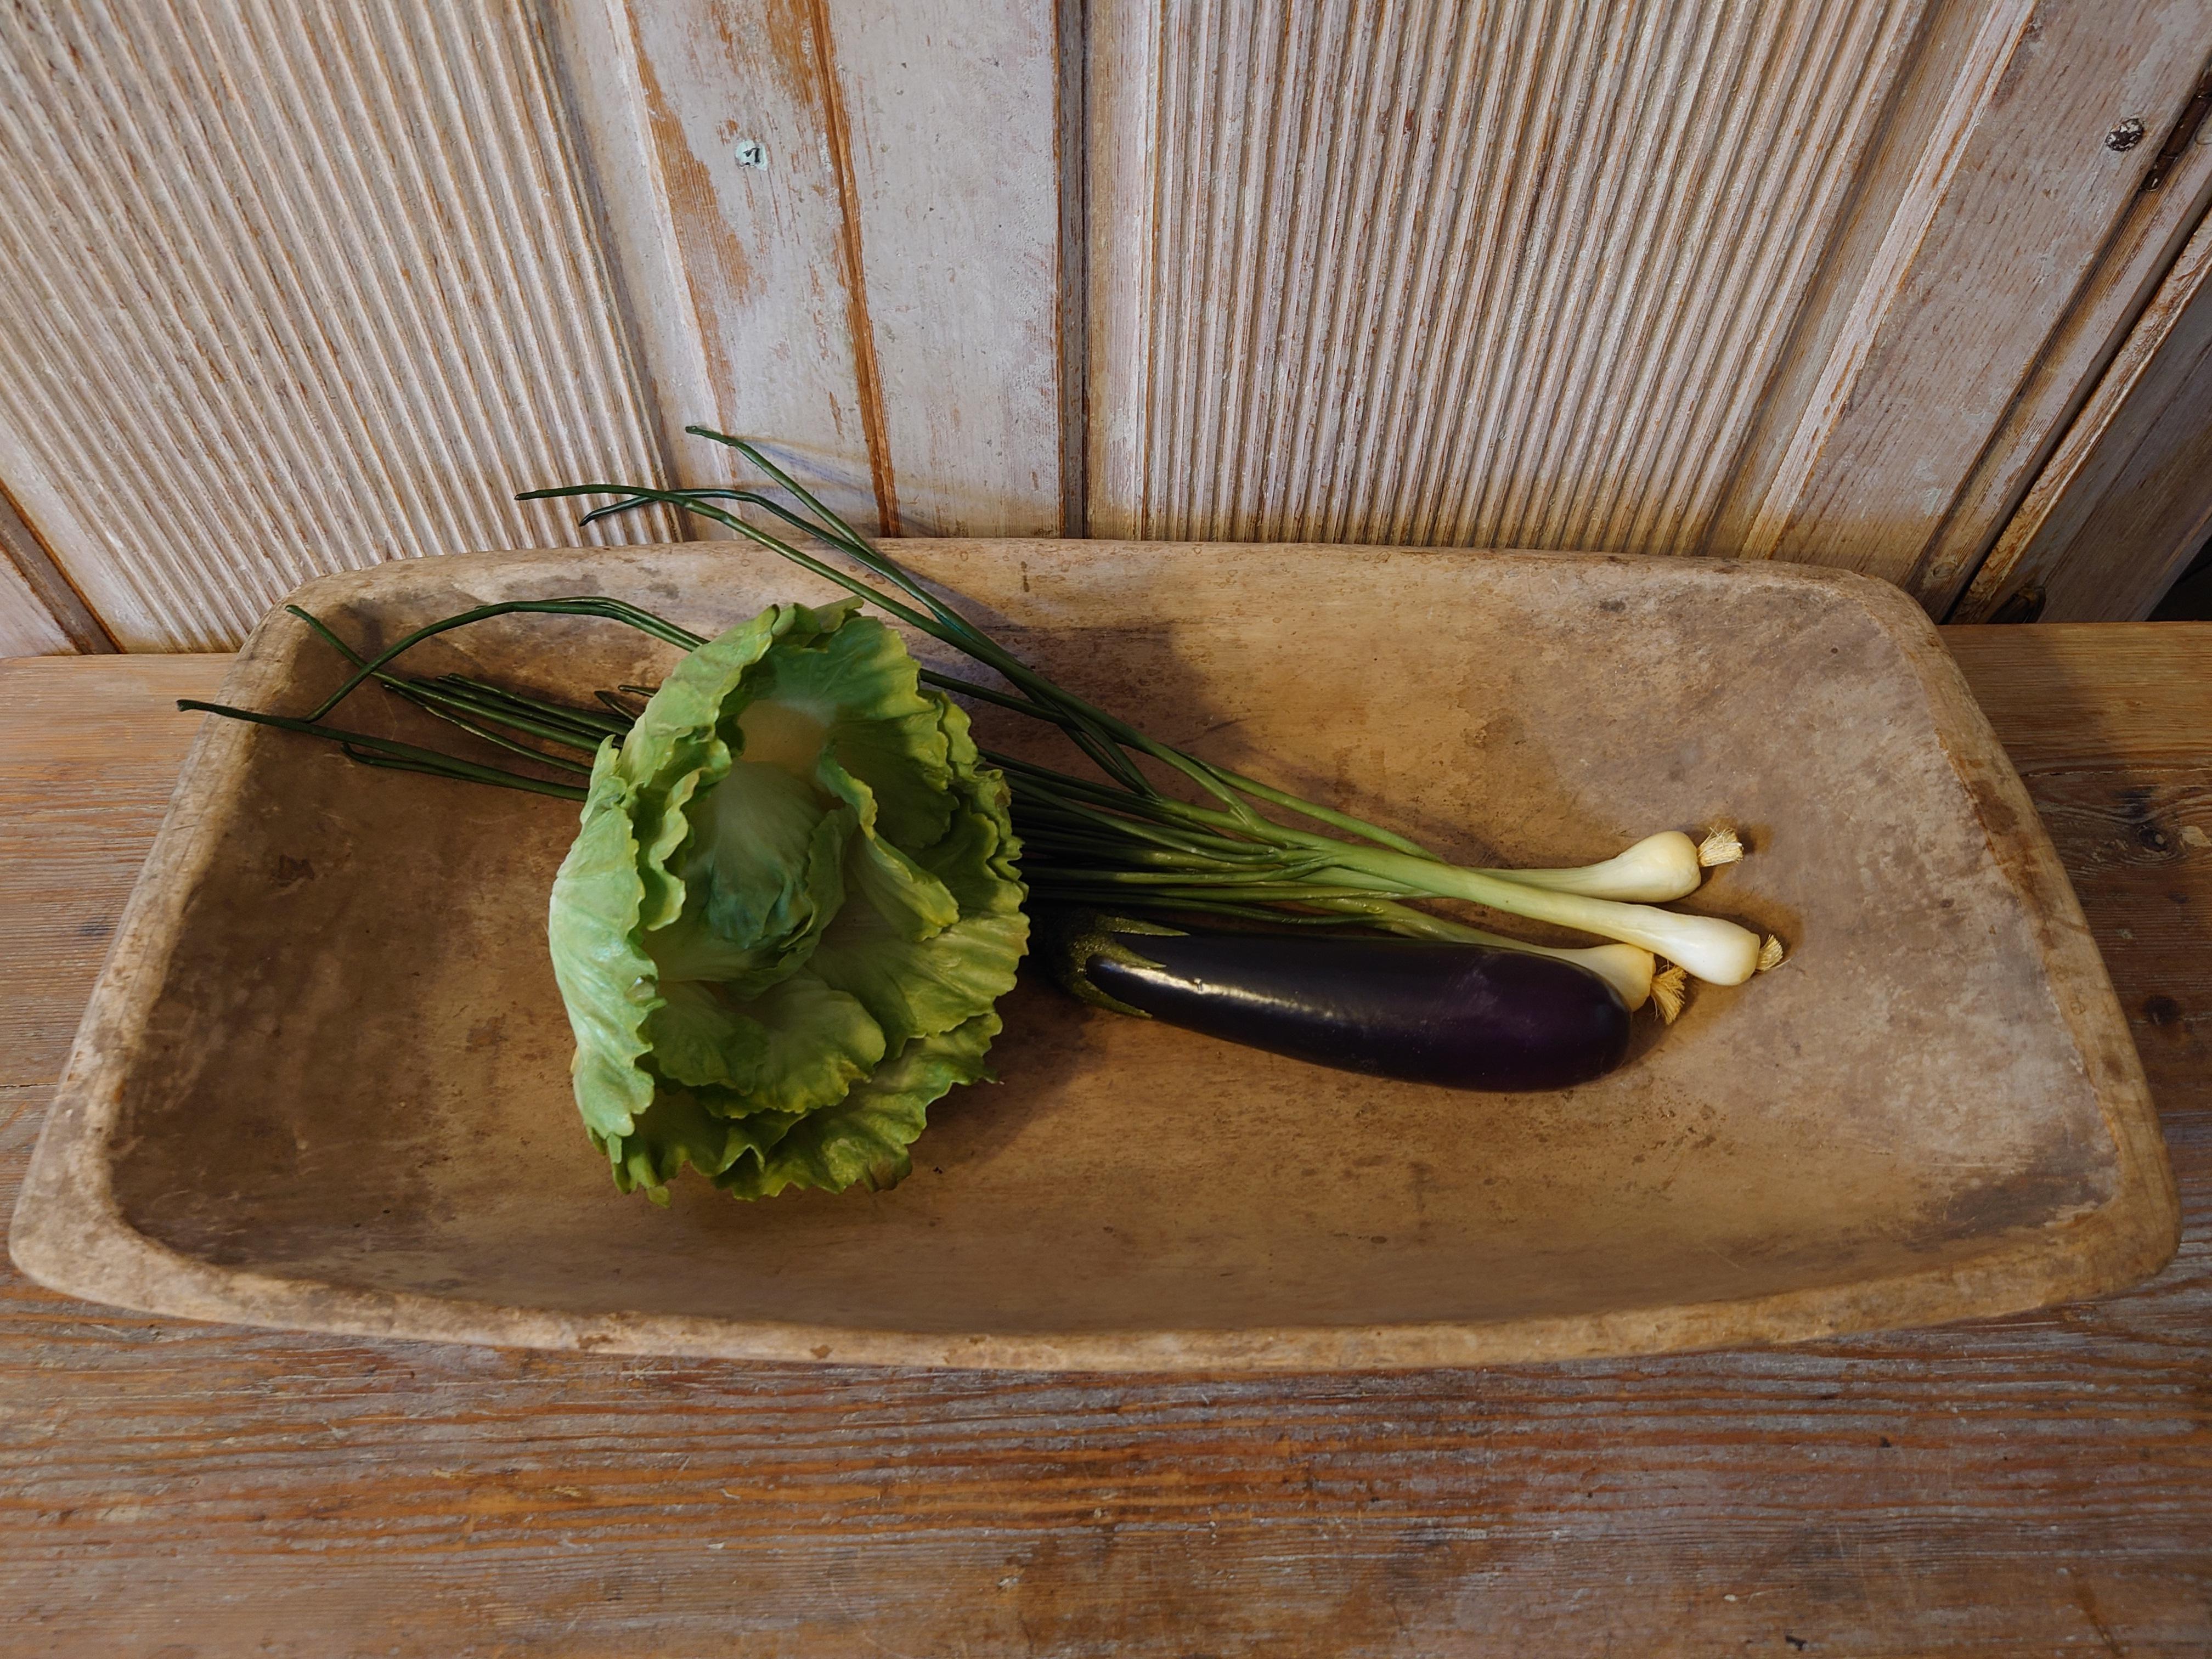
point(788, 913)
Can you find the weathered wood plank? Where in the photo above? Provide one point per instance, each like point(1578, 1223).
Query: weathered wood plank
point(725, 202)
point(2062, 696)
point(2118, 321)
point(952, 109)
point(2038, 1483)
point(2127, 497)
point(1519, 277)
point(87, 764)
point(40, 614)
point(27, 627)
point(292, 287)
point(1512, 276)
point(839, 222)
point(2008, 211)
point(2111, 726)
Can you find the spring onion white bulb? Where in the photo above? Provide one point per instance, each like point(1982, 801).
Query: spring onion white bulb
point(1624, 967)
point(1716, 951)
point(1657, 868)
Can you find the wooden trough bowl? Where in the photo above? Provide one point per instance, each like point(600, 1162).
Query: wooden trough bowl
point(322, 1082)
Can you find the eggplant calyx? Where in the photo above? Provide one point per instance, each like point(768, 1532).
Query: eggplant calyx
point(1067, 942)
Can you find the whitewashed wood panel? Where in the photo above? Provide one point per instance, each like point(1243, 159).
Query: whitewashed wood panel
point(2072, 399)
point(291, 285)
point(1512, 273)
point(2126, 502)
point(953, 107)
point(743, 271)
point(2011, 204)
point(840, 221)
point(1813, 279)
point(40, 614)
point(27, 629)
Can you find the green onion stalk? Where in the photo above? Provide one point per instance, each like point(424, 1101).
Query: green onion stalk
point(1109, 838)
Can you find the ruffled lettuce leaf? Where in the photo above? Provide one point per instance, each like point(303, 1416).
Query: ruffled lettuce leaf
point(798, 1045)
point(679, 1128)
point(606, 979)
point(863, 1139)
point(789, 909)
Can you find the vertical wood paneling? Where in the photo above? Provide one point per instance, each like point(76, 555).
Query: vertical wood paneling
point(293, 285)
point(27, 629)
point(1936, 171)
point(952, 113)
point(879, 297)
point(2126, 501)
point(2118, 322)
point(2017, 210)
point(286, 285)
point(1813, 279)
point(40, 614)
point(748, 277)
point(1122, 140)
point(1508, 273)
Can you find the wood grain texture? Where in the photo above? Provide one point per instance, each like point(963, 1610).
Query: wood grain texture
point(40, 614)
point(2009, 208)
point(27, 627)
point(2126, 501)
point(1956, 70)
point(2124, 311)
point(2112, 727)
point(952, 109)
point(55, 918)
point(878, 296)
point(2072, 696)
point(1503, 275)
point(1818, 282)
point(746, 300)
point(288, 286)
point(2034, 1485)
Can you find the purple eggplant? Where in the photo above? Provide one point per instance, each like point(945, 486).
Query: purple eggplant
point(1460, 1016)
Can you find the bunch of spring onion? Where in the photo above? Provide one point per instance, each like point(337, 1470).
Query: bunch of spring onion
point(1114, 837)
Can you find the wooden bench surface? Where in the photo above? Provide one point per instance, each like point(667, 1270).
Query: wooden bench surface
point(2039, 1484)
